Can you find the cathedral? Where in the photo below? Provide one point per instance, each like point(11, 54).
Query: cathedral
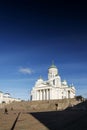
point(53, 88)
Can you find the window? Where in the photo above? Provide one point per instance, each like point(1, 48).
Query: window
point(54, 82)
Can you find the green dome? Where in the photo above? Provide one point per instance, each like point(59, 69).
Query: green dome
point(52, 66)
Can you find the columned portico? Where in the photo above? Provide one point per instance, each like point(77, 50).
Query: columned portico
point(43, 94)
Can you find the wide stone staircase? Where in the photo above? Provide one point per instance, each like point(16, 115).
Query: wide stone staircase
point(50, 105)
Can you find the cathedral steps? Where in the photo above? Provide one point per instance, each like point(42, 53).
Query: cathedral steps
point(50, 105)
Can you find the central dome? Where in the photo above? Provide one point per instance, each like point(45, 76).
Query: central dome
point(52, 66)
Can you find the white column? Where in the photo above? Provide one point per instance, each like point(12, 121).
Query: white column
point(44, 95)
point(40, 95)
point(37, 95)
point(47, 93)
point(50, 94)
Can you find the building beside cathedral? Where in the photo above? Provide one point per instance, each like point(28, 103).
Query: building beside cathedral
point(53, 88)
point(6, 98)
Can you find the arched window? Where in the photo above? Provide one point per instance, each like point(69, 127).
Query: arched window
point(54, 82)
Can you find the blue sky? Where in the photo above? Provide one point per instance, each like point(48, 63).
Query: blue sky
point(32, 35)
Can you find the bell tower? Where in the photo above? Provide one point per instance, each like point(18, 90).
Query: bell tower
point(52, 71)
point(53, 77)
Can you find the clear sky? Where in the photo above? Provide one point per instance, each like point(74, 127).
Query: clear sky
point(32, 34)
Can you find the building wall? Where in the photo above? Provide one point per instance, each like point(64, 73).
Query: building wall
point(5, 98)
point(1, 97)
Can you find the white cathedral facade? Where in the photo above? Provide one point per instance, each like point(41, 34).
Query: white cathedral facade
point(53, 88)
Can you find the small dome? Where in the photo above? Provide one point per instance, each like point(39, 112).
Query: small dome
point(64, 82)
point(40, 79)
